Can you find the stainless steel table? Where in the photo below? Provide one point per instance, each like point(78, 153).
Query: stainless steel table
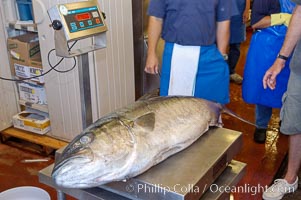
point(185, 175)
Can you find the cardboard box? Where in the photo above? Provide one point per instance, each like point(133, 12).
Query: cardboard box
point(24, 49)
point(36, 62)
point(23, 71)
point(32, 93)
point(25, 56)
point(33, 121)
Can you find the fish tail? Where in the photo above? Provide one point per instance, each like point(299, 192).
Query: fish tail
point(233, 114)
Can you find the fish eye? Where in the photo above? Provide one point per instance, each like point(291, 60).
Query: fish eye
point(87, 138)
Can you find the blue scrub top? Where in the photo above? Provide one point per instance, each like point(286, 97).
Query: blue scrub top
point(262, 8)
point(190, 22)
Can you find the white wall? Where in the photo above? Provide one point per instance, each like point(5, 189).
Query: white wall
point(111, 69)
point(8, 99)
point(115, 64)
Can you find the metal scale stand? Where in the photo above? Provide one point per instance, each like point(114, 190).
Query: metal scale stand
point(76, 21)
point(198, 172)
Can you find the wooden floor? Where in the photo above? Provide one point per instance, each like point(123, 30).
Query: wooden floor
point(263, 160)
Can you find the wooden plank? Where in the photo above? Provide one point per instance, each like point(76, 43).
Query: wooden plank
point(35, 138)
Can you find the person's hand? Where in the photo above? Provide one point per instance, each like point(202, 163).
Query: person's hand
point(246, 16)
point(152, 64)
point(269, 79)
point(280, 18)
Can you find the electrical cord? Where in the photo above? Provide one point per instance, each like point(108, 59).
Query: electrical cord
point(54, 67)
point(51, 67)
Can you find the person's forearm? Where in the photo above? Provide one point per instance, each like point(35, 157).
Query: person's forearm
point(293, 33)
point(154, 33)
point(246, 13)
point(248, 4)
point(222, 36)
point(263, 23)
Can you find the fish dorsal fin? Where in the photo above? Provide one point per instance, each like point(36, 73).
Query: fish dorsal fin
point(146, 122)
point(150, 95)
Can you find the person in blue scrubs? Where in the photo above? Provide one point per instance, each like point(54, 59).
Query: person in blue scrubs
point(265, 44)
point(237, 36)
point(196, 35)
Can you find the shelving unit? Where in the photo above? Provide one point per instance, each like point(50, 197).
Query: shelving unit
point(40, 107)
point(11, 27)
point(24, 103)
point(24, 65)
point(17, 25)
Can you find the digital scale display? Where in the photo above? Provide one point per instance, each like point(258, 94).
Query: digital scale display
point(82, 18)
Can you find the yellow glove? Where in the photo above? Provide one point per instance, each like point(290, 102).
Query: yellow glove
point(280, 18)
point(288, 19)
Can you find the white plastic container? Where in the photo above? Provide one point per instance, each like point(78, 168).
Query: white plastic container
point(24, 193)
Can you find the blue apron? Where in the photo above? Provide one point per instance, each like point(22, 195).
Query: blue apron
point(211, 80)
point(263, 50)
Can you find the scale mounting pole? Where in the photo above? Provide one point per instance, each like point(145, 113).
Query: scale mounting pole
point(73, 22)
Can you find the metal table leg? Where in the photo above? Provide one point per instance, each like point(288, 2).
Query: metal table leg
point(60, 195)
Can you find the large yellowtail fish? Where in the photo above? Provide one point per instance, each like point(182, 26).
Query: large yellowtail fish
point(131, 140)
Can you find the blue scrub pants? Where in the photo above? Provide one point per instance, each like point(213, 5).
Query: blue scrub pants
point(233, 56)
point(263, 115)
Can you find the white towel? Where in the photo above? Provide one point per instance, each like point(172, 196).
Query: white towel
point(184, 66)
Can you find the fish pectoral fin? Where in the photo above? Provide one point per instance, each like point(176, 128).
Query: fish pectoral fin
point(147, 121)
point(166, 153)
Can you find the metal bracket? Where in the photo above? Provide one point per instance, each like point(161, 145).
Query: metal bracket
point(62, 49)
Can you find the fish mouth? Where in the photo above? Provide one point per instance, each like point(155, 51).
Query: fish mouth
point(80, 157)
